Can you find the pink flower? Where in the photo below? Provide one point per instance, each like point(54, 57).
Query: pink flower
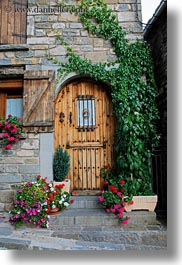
point(113, 210)
point(124, 203)
point(125, 222)
point(14, 130)
point(108, 210)
point(117, 206)
point(5, 135)
point(6, 123)
point(11, 139)
point(120, 215)
point(9, 115)
point(8, 146)
point(101, 199)
point(19, 119)
point(121, 210)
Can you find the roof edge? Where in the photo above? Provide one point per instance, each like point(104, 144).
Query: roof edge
point(155, 16)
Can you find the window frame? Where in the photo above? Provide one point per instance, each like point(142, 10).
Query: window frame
point(9, 88)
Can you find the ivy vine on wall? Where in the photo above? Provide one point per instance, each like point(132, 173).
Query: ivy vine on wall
point(133, 90)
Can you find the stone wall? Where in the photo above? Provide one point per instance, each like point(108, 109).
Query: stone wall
point(18, 165)
point(156, 36)
point(42, 28)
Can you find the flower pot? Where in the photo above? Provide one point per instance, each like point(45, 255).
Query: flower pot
point(66, 183)
point(142, 203)
point(54, 211)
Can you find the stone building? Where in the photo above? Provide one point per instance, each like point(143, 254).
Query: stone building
point(27, 80)
point(155, 34)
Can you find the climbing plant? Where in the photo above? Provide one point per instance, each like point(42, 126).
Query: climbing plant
point(133, 90)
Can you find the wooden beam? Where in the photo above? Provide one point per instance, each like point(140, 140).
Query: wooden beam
point(13, 83)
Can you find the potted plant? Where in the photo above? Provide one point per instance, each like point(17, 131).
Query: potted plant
point(29, 206)
point(142, 199)
point(125, 194)
point(35, 201)
point(61, 166)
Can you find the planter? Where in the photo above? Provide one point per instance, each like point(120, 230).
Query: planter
point(54, 211)
point(142, 203)
point(66, 182)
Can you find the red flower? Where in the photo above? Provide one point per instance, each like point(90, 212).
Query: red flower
point(106, 167)
point(122, 190)
point(105, 182)
point(51, 197)
point(72, 201)
point(59, 186)
point(131, 202)
point(113, 188)
point(74, 192)
point(122, 181)
point(44, 179)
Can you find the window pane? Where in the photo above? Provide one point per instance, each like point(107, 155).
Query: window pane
point(14, 106)
point(86, 112)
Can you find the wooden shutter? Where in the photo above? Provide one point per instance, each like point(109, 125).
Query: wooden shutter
point(13, 21)
point(38, 104)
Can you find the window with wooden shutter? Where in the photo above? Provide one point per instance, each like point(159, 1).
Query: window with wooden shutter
point(13, 21)
point(11, 97)
point(38, 99)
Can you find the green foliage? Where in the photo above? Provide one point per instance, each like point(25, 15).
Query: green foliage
point(133, 90)
point(61, 164)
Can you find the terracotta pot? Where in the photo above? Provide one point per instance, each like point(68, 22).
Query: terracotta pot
point(54, 211)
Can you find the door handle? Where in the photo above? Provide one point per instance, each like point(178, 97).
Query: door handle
point(70, 118)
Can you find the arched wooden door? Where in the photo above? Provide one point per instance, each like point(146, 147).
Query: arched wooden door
point(84, 125)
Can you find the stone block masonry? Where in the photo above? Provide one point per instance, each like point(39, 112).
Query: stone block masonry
point(21, 164)
point(42, 29)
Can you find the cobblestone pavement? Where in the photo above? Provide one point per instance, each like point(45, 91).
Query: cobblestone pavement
point(82, 237)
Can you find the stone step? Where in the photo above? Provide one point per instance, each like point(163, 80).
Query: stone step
point(155, 236)
point(96, 217)
point(81, 202)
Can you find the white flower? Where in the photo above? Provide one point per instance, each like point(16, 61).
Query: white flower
point(52, 189)
point(66, 204)
point(53, 206)
point(60, 201)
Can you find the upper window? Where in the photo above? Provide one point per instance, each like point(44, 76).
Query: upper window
point(11, 98)
point(13, 21)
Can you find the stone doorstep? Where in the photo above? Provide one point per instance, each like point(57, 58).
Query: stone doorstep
point(98, 217)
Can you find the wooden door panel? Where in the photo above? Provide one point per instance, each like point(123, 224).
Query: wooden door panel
point(90, 141)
